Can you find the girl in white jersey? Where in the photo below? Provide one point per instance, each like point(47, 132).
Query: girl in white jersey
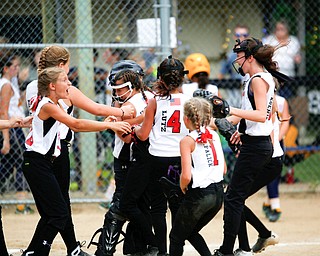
point(43, 147)
point(58, 56)
point(12, 140)
point(255, 127)
point(270, 174)
point(130, 179)
point(163, 125)
point(201, 178)
point(272, 207)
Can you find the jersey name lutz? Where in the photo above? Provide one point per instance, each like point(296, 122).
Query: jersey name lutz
point(164, 121)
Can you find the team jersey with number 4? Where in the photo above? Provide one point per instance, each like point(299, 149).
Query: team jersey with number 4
point(168, 128)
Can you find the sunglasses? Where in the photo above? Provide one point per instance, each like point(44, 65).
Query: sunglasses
point(241, 35)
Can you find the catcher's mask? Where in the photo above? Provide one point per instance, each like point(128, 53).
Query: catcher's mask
point(167, 66)
point(119, 98)
point(246, 47)
point(130, 84)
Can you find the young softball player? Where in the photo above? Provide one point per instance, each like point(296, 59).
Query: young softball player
point(58, 56)
point(254, 129)
point(270, 172)
point(201, 178)
point(43, 148)
point(163, 125)
point(128, 90)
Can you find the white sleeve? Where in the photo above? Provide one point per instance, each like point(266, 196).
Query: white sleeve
point(31, 93)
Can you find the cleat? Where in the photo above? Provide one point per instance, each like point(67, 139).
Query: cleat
point(266, 209)
point(274, 215)
point(25, 253)
point(78, 252)
point(217, 253)
point(262, 243)
point(105, 206)
point(240, 252)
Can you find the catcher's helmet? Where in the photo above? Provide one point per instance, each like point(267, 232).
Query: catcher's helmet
point(197, 63)
point(249, 46)
point(169, 65)
point(125, 65)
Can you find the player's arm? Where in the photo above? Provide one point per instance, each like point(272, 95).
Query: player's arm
point(144, 131)
point(285, 116)
point(5, 96)
point(81, 125)
point(187, 145)
point(80, 100)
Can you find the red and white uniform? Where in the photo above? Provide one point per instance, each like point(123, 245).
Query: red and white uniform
point(139, 104)
point(207, 161)
point(31, 98)
point(168, 128)
point(44, 136)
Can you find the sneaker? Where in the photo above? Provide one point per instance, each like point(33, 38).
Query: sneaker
point(104, 206)
point(24, 209)
point(262, 243)
point(240, 252)
point(78, 252)
point(266, 208)
point(25, 253)
point(217, 253)
point(274, 215)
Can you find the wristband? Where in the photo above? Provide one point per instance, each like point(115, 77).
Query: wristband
point(122, 113)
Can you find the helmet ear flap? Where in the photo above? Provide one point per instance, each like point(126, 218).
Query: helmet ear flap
point(166, 67)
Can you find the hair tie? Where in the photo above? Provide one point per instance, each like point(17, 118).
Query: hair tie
point(203, 137)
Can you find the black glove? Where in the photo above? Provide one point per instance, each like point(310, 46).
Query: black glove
point(226, 129)
point(201, 93)
point(220, 107)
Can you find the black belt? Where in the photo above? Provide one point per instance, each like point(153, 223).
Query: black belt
point(36, 154)
point(67, 142)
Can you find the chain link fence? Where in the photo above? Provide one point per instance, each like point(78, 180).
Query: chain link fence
point(99, 32)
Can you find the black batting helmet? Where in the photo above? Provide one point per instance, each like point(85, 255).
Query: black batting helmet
point(125, 65)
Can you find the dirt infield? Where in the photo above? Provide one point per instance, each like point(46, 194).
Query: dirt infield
point(298, 227)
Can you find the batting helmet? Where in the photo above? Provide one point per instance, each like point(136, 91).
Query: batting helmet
point(197, 63)
point(125, 65)
point(169, 65)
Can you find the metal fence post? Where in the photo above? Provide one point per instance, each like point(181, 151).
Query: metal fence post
point(86, 84)
point(165, 27)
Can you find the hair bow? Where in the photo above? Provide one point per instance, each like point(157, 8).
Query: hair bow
point(204, 136)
